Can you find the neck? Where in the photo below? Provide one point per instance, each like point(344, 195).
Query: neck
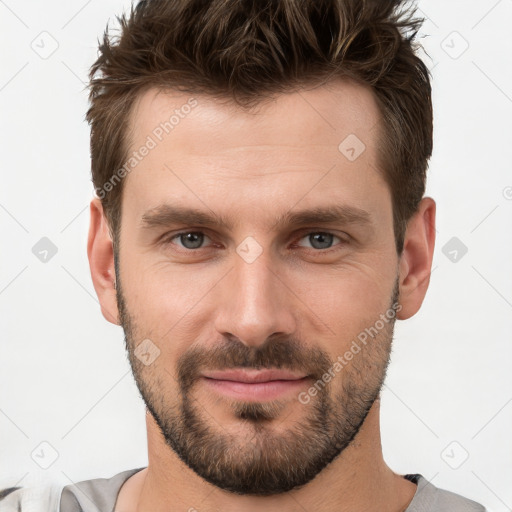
point(358, 479)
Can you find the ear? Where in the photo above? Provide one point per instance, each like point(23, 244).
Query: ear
point(416, 259)
point(101, 262)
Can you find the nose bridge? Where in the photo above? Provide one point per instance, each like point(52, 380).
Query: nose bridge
point(256, 303)
point(257, 281)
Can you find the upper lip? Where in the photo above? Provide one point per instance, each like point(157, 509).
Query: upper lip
point(253, 376)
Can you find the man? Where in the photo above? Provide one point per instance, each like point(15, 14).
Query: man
point(258, 228)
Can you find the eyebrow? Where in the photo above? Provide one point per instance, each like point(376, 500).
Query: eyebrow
point(167, 215)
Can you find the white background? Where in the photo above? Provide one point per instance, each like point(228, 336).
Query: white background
point(64, 377)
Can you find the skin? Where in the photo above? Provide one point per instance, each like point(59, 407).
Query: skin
point(251, 168)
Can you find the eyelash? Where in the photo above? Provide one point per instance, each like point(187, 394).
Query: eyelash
point(169, 239)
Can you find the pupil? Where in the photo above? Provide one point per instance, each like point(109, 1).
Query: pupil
point(322, 239)
point(192, 240)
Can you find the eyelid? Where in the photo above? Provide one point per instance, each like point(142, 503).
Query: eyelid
point(309, 231)
point(169, 237)
point(304, 234)
point(343, 237)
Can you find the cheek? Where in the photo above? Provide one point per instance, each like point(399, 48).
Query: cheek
point(170, 306)
point(339, 293)
point(347, 302)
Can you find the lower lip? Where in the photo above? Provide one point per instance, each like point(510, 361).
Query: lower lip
point(257, 391)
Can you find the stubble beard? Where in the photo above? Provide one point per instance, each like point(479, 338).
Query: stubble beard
point(263, 461)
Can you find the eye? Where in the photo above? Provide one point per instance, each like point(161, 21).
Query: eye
point(320, 240)
point(189, 239)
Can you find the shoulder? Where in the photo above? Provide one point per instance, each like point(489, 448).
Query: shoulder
point(428, 497)
point(35, 498)
point(97, 495)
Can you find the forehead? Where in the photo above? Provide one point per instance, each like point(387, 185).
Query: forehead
point(330, 111)
point(203, 147)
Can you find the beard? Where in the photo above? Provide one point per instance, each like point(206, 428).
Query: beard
point(260, 460)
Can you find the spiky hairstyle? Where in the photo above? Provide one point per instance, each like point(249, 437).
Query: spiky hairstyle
point(249, 50)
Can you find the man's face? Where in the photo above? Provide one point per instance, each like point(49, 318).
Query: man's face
point(263, 290)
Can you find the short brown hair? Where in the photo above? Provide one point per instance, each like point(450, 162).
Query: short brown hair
point(247, 51)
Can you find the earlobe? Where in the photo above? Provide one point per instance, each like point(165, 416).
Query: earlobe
point(101, 262)
point(416, 260)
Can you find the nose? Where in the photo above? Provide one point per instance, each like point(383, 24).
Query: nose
point(255, 302)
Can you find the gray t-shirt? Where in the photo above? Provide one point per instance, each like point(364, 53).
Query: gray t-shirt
point(100, 495)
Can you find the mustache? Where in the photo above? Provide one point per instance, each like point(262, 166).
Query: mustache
point(278, 352)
